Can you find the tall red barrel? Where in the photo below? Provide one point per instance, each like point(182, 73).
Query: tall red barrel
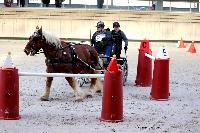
point(112, 99)
point(160, 84)
point(144, 67)
point(9, 94)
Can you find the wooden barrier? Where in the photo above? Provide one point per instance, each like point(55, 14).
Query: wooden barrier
point(77, 23)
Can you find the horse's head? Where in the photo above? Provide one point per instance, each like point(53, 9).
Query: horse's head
point(36, 42)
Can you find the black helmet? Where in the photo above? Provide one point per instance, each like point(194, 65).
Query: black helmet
point(116, 24)
point(100, 24)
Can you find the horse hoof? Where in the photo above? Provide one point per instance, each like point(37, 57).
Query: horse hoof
point(98, 91)
point(78, 99)
point(44, 99)
point(89, 96)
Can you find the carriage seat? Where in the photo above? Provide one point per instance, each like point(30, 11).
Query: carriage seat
point(121, 60)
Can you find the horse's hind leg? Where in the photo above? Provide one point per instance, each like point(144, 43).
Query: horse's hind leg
point(96, 85)
point(79, 93)
point(45, 97)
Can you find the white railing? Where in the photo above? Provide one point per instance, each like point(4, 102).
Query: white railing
point(61, 75)
point(150, 56)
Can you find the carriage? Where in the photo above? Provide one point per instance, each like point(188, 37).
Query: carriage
point(122, 64)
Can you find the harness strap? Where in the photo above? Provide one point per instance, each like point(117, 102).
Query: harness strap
point(86, 64)
point(75, 56)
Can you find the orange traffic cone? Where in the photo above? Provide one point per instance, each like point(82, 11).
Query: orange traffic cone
point(192, 48)
point(181, 45)
point(113, 65)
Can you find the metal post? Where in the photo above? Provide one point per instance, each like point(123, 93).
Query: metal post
point(85, 4)
point(149, 5)
point(26, 3)
point(128, 4)
point(19, 3)
point(190, 7)
point(170, 6)
point(159, 5)
point(107, 4)
point(63, 5)
point(41, 4)
point(198, 5)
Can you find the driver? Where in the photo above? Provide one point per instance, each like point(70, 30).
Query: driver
point(102, 40)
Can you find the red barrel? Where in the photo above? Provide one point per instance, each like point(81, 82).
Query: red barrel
point(160, 84)
point(144, 69)
point(112, 100)
point(9, 94)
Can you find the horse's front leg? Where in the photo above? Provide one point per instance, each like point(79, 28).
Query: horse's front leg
point(79, 93)
point(45, 97)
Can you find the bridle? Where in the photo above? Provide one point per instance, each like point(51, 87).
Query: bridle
point(32, 46)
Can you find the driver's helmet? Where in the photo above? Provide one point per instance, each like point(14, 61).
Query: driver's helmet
point(100, 24)
point(116, 24)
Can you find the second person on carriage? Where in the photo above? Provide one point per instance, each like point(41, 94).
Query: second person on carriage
point(118, 36)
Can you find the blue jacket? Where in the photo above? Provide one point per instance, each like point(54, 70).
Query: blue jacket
point(102, 39)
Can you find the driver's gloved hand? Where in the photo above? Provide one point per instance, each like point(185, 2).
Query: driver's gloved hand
point(125, 48)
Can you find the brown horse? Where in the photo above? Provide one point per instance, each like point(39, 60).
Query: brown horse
point(63, 57)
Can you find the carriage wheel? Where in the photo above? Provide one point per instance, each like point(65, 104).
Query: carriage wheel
point(125, 73)
point(86, 80)
point(81, 81)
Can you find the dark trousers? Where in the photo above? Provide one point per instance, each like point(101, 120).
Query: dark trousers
point(99, 50)
point(58, 4)
point(117, 51)
point(106, 51)
point(46, 5)
point(22, 3)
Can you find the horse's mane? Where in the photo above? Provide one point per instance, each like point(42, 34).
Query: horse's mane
point(52, 39)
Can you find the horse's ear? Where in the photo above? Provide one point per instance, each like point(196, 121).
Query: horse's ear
point(40, 30)
point(37, 27)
